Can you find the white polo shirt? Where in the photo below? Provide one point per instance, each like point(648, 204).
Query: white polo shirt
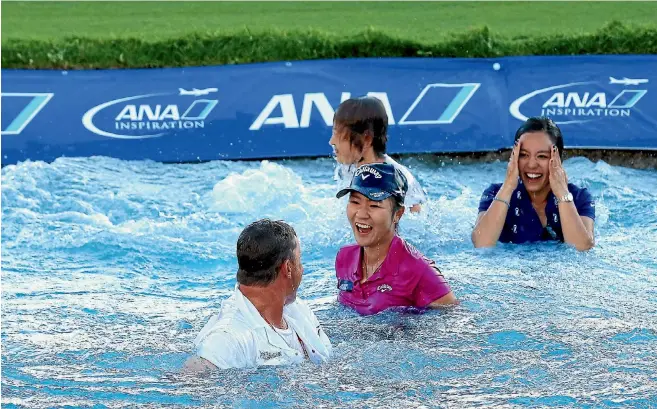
point(415, 195)
point(238, 337)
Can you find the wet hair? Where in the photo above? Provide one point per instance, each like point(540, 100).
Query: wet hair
point(397, 203)
point(398, 200)
point(542, 124)
point(261, 249)
point(361, 115)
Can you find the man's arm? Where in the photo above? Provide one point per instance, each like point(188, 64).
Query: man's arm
point(220, 350)
point(195, 365)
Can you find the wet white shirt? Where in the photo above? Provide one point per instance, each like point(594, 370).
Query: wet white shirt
point(291, 338)
point(238, 336)
point(415, 195)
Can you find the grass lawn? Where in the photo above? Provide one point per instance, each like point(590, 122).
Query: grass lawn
point(413, 20)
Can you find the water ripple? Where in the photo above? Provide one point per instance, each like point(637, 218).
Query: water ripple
point(110, 268)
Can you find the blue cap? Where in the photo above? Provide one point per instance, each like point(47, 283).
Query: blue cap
point(377, 181)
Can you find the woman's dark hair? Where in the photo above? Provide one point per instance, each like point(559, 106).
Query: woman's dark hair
point(261, 248)
point(398, 199)
point(361, 115)
point(397, 203)
point(542, 124)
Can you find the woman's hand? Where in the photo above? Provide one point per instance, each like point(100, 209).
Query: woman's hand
point(511, 180)
point(558, 177)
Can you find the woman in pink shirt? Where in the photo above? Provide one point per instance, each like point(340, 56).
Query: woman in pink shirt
point(382, 270)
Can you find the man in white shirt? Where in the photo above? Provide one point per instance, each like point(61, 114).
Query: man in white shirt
point(263, 322)
point(360, 136)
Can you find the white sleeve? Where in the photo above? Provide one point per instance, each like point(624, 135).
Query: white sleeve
point(226, 350)
point(343, 175)
point(415, 194)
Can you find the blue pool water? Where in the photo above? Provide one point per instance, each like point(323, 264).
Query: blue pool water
point(110, 268)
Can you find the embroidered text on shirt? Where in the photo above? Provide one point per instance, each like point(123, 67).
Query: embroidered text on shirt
point(266, 355)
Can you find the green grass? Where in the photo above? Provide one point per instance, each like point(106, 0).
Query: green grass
point(72, 35)
point(424, 22)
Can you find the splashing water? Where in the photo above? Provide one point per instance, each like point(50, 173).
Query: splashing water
point(110, 268)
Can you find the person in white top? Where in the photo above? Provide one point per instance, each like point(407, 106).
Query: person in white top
point(263, 322)
point(360, 135)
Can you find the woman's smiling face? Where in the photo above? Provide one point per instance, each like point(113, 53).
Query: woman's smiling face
point(534, 160)
point(371, 221)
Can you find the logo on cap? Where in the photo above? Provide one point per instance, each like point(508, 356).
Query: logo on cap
point(368, 169)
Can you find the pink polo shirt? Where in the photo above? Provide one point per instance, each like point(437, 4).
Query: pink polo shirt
point(405, 279)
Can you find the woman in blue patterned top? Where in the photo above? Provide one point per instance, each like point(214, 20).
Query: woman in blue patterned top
point(536, 202)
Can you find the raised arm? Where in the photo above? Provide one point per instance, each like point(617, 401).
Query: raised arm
point(489, 223)
point(577, 230)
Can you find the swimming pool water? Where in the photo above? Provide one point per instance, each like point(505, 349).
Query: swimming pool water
point(110, 268)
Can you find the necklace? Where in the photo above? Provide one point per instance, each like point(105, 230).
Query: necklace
point(283, 324)
point(366, 271)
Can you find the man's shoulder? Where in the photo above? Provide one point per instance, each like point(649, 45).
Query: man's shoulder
point(300, 308)
point(228, 322)
point(228, 346)
point(343, 173)
point(407, 173)
point(227, 335)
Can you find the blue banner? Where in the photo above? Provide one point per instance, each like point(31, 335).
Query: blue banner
point(285, 109)
point(607, 102)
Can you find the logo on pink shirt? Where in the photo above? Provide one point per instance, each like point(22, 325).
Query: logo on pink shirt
point(383, 288)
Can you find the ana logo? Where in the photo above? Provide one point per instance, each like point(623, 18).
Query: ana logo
point(579, 102)
point(436, 104)
point(150, 115)
point(20, 108)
